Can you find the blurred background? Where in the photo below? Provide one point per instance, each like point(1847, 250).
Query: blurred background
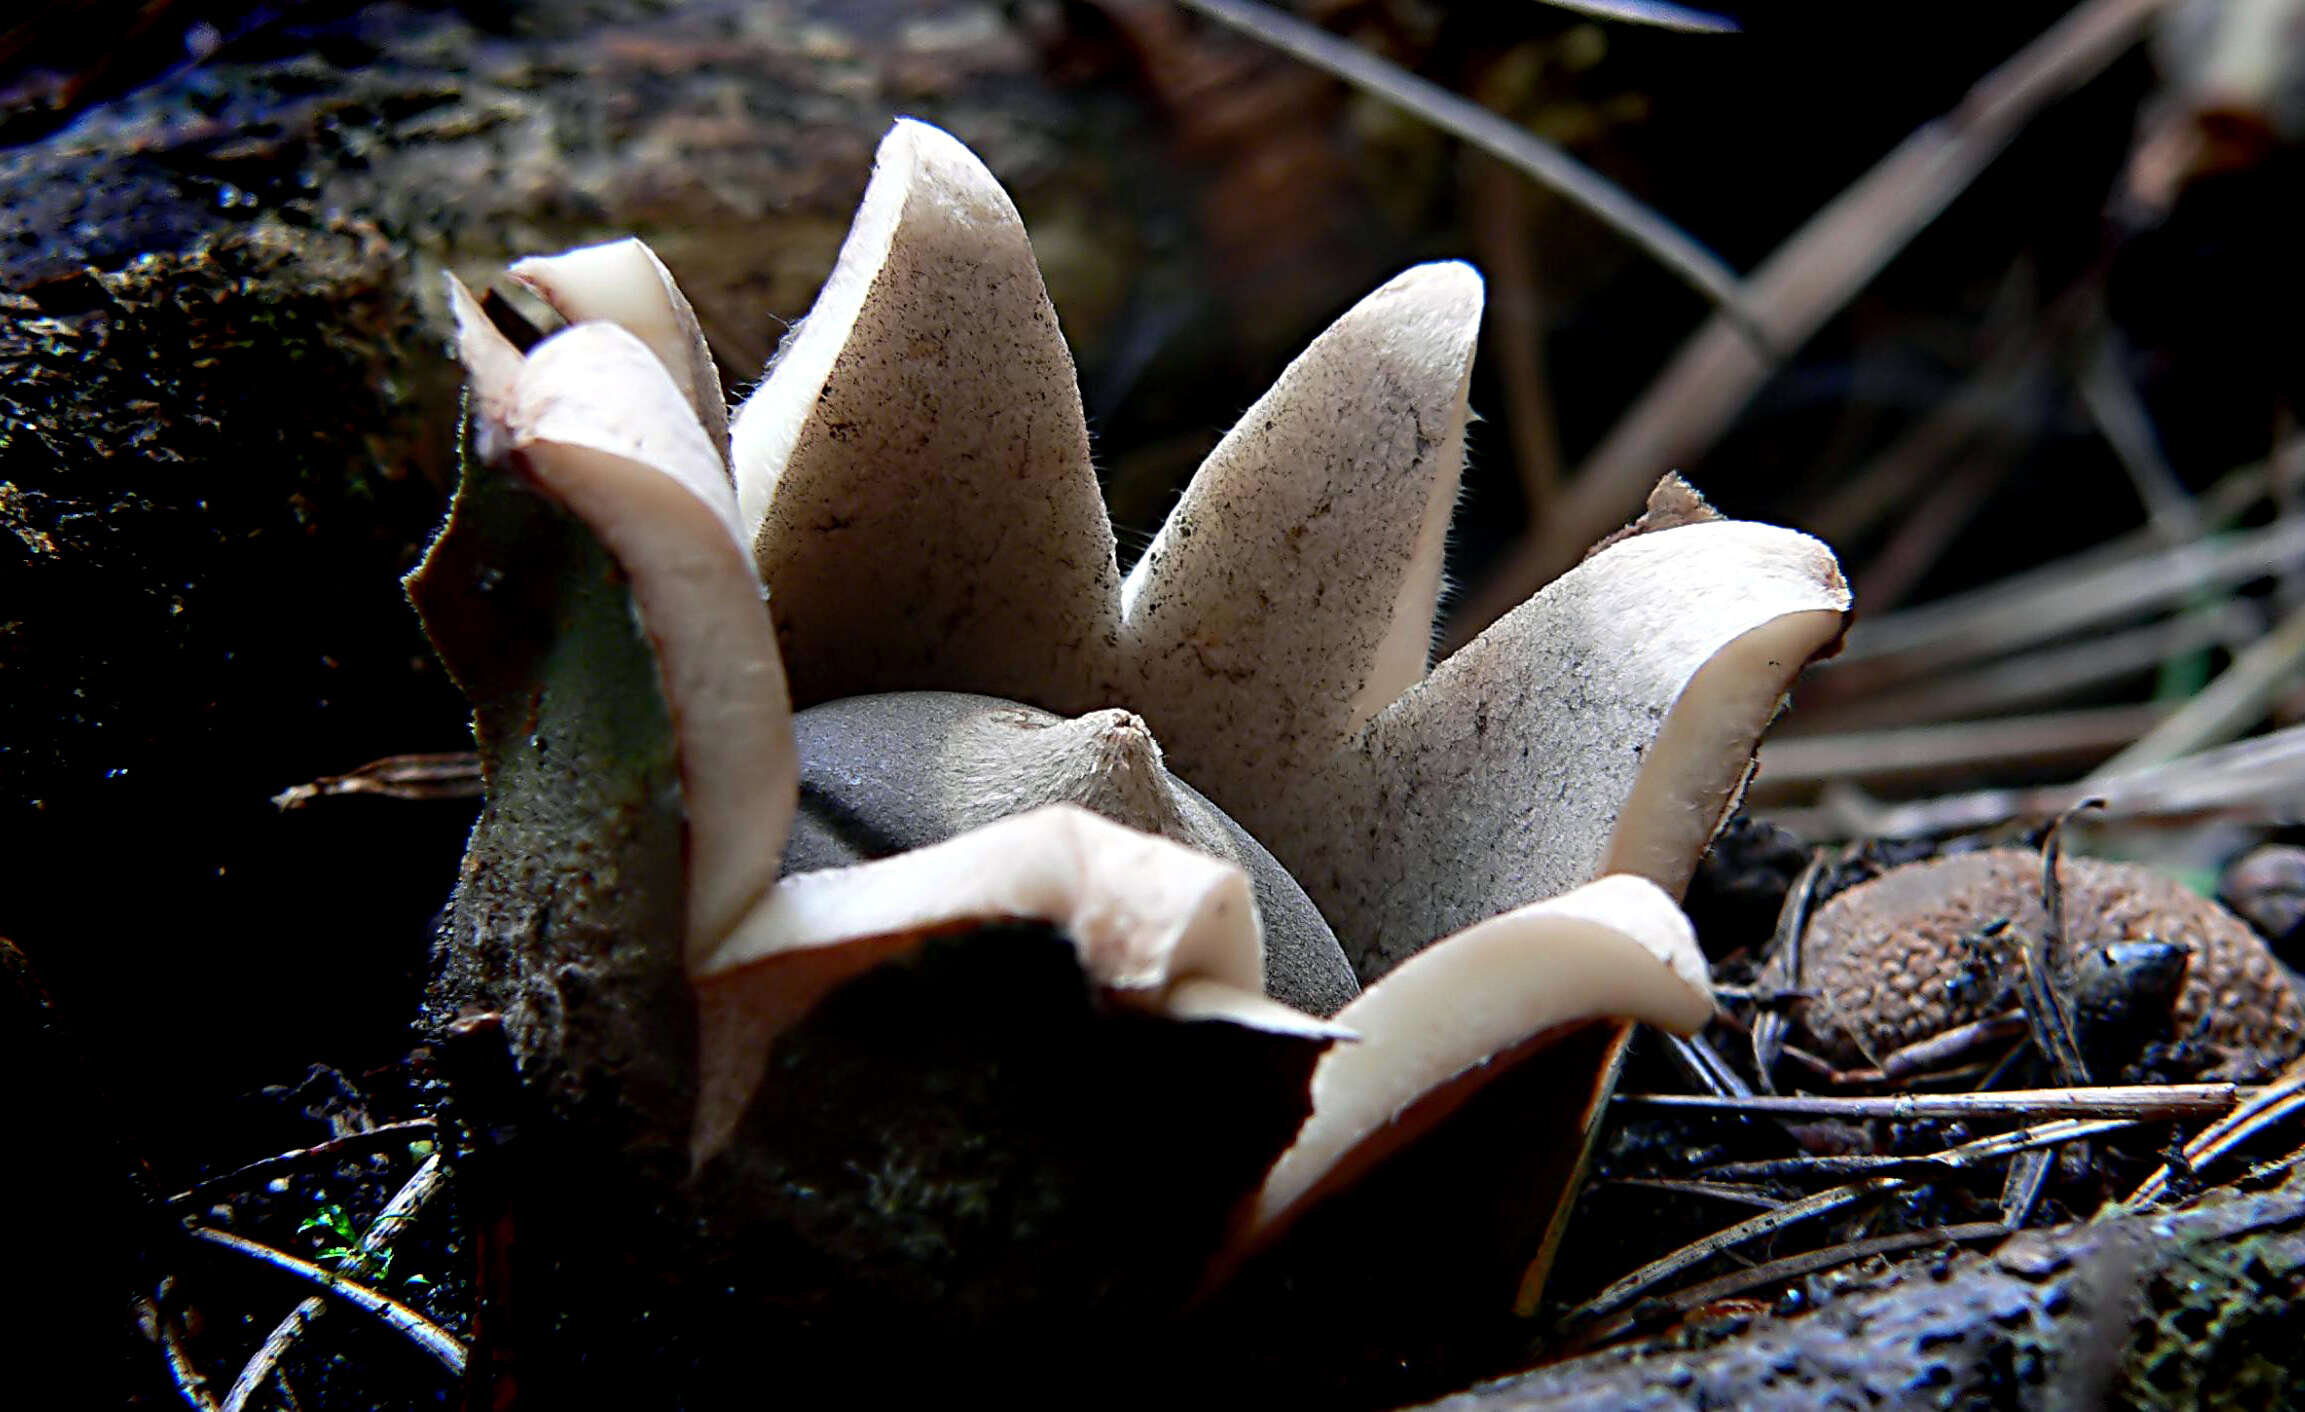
point(2014, 327)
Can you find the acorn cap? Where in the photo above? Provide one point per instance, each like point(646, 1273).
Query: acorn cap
point(1886, 961)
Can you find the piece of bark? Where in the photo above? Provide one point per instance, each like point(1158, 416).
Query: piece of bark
point(2190, 1308)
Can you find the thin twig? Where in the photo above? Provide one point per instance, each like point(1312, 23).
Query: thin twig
point(1770, 1024)
point(2046, 960)
point(2005, 379)
point(1704, 1067)
point(1792, 1267)
point(1658, 14)
point(2220, 1136)
point(2121, 418)
point(1925, 530)
point(2259, 781)
point(1495, 135)
point(396, 1316)
point(1967, 1154)
point(1922, 1056)
point(2058, 598)
point(1656, 1272)
point(2121, 576)
point(2106, 1101)
point(2038, 677)
point(363, 1260)
point(165, 1330)
point(1498, 221)
point(384, 1135)
point(451, 776)
point(1809, 278)
point(2021, 1186)
point(1718, 1191)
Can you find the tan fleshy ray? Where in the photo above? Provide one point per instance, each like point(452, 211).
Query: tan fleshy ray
point(1468, 1007)
point(1606, 724)
point(594, 420)
point(1290, 595)
point(915, 471)
point(1156, 924)
point(623, 282)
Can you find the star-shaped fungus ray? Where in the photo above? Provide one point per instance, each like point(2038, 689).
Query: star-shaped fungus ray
point(915, 469)
point(622, 282)
point(1606, 725)
point(1275, 635)
point(1480, 995)
point(594, 419)
point(1290, 595)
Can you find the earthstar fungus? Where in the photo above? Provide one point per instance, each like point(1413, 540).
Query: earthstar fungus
point(996, 727)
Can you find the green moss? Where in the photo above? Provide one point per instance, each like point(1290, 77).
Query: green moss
point(2221, 1326)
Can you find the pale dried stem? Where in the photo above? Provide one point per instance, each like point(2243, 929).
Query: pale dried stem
point(364, 1260)
point(453, 775)
point(2171, 516)
point(2264, 1107)
point(2140, 1101)
point(1494, 134)
point(1791, 1267)
point(2049, 602)
point(2259, 781)
point(2236, 700)
point(1967, 1154)
point(2039, 677)
point(1925, 531)
point(1803, 284)
point(1656, 1272)
point(385, 1135)
point(434, 1340)
point(2080, 737)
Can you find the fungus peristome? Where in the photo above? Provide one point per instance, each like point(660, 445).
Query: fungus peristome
point(913, 479)
point(1886, 961)
point(898, 770)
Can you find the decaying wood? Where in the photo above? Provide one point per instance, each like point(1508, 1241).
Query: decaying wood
point(2195, 1307)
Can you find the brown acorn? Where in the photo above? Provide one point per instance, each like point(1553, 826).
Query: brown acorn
point(1899, 958)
